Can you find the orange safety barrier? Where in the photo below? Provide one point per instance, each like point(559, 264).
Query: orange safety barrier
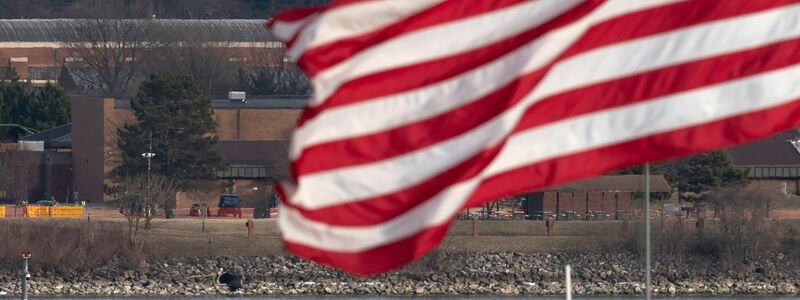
point(66, 211)
point(2, 211)
point(37, 211)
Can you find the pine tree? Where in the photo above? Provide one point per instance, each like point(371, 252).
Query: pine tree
point(697, 174)
point(39, 108)
point(172, 113)
point(49, 107)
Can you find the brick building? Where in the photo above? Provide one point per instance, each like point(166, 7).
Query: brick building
point(604, 196)
point(772, 164)
point(35, 48)
point(253, 140)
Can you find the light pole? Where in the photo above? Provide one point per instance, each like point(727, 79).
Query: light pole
point(149, 154)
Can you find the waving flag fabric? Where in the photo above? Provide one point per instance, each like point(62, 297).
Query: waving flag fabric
point(424, 107)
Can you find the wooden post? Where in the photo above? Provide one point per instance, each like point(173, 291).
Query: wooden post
point(550, 223)
point(205, 214)
point(249, 225)
point(474, 227)
point(625, 227)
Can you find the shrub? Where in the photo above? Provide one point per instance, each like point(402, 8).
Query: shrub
point(739, 233)
point(66, 245)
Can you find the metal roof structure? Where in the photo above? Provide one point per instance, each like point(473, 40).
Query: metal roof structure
point(253, 102)
point(769, 158)
point(56, 30)
point(765, 153)
point(254, 159)
point(619, 183)
point(56, 137)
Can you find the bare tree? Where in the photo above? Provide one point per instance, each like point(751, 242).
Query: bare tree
point(743, 224)
point(22, 172)
point(140, 198)
point(278, 77)
point(278, 81)
point(210, 61)
point(114, 50)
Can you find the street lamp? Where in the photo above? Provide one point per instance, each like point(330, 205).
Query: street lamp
point(148, 156)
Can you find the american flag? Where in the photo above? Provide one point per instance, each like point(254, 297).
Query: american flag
point(422, 108)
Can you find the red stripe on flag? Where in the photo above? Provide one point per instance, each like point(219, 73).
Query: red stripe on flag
point(322, 57)
point(685, 14)
point(293, 15)
point(573, 167)
point(380, 259)
point(600, 96)
point(382, 208)
point(705, 137)
point(611, 31)
point(662, 82)
point(615, 93)
point(415, 76)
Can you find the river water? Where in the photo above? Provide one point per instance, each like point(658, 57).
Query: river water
point(439, 297)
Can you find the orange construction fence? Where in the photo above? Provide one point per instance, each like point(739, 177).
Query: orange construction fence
point(38, 211)
point(2, 211)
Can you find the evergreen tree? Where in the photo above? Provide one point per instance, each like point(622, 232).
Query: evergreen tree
point(696, 174)
point(39, 108)
point(49, 107)
point(172, 113)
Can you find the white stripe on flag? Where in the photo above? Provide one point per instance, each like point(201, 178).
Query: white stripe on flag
point(574, 135)
point(451, 38)
point(355, 19)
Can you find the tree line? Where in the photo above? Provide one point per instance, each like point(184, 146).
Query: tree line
point(116, 55)
point(134, 9)
point(36, 108)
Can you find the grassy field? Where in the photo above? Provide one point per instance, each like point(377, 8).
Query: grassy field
point(185, 237)
point(228, 237)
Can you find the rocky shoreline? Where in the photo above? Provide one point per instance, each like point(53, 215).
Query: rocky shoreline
point(438, 274)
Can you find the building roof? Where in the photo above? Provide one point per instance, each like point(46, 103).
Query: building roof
point(789, 135)
point(270, 159)
point(56, 137)
point(55, 30)
point(258, 101)
point(253, 102)
point(618, 183)
point(765, 153)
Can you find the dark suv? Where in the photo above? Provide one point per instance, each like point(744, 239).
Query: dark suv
point(229, 204)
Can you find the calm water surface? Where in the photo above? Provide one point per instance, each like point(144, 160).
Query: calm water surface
point(437, 298)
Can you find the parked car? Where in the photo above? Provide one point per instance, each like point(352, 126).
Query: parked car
point(47, 203)
point(229, 204)
point(196, 210)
